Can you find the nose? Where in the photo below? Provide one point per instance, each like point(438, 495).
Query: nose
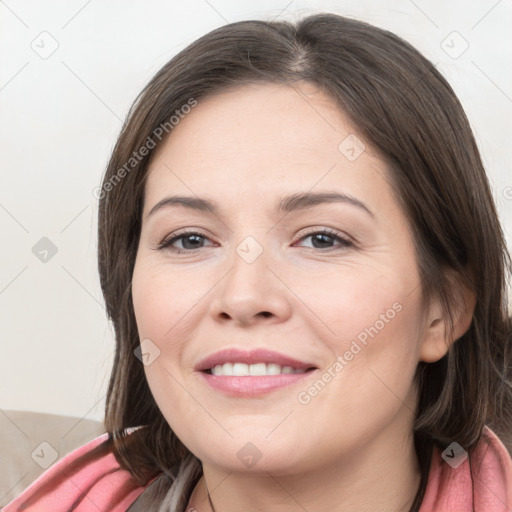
point(251, 292)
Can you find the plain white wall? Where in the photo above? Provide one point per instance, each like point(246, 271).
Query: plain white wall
point(61, 112)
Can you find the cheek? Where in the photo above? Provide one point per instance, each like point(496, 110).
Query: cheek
point(374, 305)
point(158, 308)
point(370, 324)
point(162, 305)
point(162, 302)
point(370, 377)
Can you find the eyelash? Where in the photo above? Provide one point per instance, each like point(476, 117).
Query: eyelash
point(345, 242)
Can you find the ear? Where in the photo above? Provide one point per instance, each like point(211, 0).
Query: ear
point(436, 338)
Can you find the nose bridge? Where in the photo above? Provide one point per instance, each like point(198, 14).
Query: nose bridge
point(250, 287)
point(247, 276)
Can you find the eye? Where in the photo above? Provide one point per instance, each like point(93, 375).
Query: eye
point(193, 240)
point(190, 241)
point(325, 237)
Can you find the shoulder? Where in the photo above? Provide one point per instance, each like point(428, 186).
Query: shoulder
point(480, 480)
point(88, 478)
point(492, 473)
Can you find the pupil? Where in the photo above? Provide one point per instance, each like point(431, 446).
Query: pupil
point(321, 235)
point(188, 238)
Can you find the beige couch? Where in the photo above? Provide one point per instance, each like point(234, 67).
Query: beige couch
point(30, 442)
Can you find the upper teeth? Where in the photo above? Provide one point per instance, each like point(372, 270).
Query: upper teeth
point(242, 369)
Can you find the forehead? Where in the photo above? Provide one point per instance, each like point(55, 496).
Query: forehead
point(278, 118)
point(257, 141)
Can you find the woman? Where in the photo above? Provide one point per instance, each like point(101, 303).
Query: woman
point(300, 253)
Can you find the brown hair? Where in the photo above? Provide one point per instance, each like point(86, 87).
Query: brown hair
point(403, 107)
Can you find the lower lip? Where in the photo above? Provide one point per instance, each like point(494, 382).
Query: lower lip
point(253, 385)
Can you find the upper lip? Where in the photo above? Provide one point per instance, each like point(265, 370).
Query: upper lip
point(234, 355)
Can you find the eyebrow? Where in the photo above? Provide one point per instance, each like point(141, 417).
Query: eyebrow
point(290, 203)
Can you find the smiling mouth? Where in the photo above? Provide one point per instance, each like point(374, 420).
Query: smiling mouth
point(257, 369)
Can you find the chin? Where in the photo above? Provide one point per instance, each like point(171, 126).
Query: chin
point(253, 456)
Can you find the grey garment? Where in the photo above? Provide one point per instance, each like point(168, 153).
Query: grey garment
point(172, 489)
point(153, 493)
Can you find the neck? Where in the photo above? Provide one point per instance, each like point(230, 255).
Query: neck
point(383, 476)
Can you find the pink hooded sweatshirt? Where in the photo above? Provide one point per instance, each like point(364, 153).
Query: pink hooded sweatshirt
point(449, 489)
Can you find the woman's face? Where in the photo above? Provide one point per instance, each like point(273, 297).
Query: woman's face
point(280, 165)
